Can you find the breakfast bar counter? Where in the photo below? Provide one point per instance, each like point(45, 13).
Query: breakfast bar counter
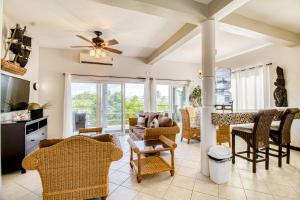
point(241, 117)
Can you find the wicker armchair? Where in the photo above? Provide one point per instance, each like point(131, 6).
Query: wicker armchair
point(188, 132)
point(256, 137)
point(75, 168)
point(281, 135)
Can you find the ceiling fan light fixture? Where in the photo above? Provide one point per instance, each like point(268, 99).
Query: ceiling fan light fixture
point(98, 51)
point(92, 52)
point(103, 54)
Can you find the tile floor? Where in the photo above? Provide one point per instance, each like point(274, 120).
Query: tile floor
point(187, 184)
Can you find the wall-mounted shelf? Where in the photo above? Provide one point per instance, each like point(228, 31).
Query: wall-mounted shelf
point(12, 68)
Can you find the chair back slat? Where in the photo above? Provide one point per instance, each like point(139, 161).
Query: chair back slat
point(261, 130)
point(285, 125)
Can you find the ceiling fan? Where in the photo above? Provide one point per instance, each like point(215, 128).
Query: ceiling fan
point(98, 45)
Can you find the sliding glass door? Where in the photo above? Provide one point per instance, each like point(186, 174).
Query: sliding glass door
point(162, 98)
point(178, 101)
point(107, 105)
point(134, 101)
point(112, 107)
point(84, 104)
point(169, 99)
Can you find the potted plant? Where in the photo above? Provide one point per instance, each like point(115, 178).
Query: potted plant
point(195, 97)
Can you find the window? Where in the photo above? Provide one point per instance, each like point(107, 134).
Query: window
point(108, 105)
point(178, 102)
point(84, 104)
point(134, 100)
point(169, 99)
point(162, 98)
point(112, 107)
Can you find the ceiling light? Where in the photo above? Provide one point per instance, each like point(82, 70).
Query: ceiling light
point(98, 51)
point(92, 52)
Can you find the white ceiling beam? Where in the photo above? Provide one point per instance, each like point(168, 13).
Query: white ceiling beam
point(241, 25)
point(180, 10)
point(218, 9)
point(184, 34)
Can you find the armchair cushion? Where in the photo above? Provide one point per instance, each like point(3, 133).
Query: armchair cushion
point(165, 122)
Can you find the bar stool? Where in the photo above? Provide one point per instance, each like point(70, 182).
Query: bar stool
point(281, 135)
point(256, 137)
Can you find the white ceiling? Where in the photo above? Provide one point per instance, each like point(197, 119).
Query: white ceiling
point(56, 22)
point(227, 45)
point(281, 13)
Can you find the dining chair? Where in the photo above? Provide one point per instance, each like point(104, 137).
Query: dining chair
point(95, 130)
point(256, 138)
point(281, 135)
point(188, 132)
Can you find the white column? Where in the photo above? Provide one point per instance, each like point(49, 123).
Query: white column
point(208, 131)
point(1, 21)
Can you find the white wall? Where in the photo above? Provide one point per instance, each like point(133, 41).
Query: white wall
point(285, 57)
point(55, 62)
point(32, 66)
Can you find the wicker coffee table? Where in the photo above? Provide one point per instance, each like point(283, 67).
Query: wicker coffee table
point(148, 159)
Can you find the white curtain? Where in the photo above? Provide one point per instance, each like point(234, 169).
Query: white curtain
point(147, 95)
point(67, 120)
point(153, 95)
point(250, 89)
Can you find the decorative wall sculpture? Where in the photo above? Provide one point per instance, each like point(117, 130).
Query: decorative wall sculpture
point(280, 93)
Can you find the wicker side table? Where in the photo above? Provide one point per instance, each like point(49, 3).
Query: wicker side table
point(151, 164)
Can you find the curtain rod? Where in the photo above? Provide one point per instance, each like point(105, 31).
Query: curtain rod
point(249, 68)
point(141, 78)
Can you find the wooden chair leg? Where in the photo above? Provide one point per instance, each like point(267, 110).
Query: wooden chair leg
point(233, 149)
point(254, 160)
point(248, 150)
point(181, 137)
point(279, 155)
point(267, 158)
point(288, 152)
point(103, 198)
point(189, 141)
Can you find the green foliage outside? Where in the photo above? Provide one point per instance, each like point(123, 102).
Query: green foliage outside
point(87, 102)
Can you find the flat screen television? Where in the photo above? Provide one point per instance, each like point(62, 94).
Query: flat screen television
point(14, 93)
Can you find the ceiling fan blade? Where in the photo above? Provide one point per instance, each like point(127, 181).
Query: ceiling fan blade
point(111, 42)
point(84, 38)
point(81, 46)
point(113, 50)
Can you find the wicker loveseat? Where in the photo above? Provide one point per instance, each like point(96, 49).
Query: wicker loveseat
point(146, 133)
point(76, 167)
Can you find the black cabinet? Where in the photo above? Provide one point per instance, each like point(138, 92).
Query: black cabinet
point(18, 140)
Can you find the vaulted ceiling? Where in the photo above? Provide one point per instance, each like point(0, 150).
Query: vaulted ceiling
point(143, 28)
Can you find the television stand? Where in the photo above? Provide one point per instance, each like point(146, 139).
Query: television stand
point(18, 139)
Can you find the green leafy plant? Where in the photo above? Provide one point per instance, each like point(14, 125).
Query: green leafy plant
point(36, 106)
point(195, 97)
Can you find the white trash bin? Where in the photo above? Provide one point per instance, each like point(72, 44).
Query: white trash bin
point(219, 163)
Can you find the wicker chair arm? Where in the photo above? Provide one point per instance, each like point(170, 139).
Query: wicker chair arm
point(31, 161)
point(133, 121)
point(169, 142)
point(117, 152)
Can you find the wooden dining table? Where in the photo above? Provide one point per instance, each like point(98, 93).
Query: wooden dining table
point(244, 117)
